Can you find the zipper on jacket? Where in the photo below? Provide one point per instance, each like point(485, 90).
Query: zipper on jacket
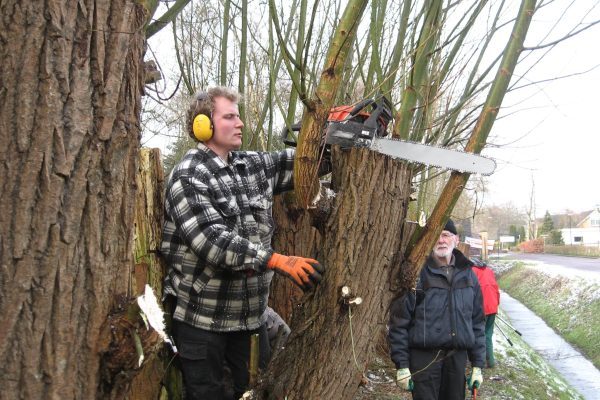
point(452, 313)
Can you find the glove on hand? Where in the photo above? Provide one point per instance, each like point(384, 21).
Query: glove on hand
point(403, 379)
point(304, 272)
point(475, 379)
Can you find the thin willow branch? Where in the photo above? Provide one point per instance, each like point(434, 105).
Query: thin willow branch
point(398, 47)
point(299, 74)
point(562, 39)
point(184, 74)
point(166, 18)
point(306, 161)
point(224, 43)
point(288, 59)
point(413, 92)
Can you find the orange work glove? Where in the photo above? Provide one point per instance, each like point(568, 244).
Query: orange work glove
point(304, 272)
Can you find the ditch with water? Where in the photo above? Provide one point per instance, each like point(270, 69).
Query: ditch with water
point(572, 365)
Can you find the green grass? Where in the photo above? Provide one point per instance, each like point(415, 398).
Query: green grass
point(571, 309)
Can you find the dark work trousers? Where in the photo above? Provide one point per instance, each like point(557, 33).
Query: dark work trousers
point(489, 341)
point(442, 379)
point(203, 355)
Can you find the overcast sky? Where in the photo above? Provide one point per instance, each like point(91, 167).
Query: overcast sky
point(550, 131)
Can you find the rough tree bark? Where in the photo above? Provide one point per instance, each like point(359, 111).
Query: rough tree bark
point(360, 249)
point(295, 234)
point(70, 89)
point(317, 362)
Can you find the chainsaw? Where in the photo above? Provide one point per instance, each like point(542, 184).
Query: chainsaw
point(365, 125)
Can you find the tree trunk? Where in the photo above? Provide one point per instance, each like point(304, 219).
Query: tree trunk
point(71, 83)
point(122, 377)
point(327, 355)
point(294, 235)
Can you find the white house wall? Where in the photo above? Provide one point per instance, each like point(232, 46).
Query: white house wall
point(589, 236)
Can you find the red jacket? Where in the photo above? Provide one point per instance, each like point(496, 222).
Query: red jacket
point(489, 289)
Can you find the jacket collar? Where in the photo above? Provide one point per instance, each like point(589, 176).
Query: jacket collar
point(234, 157)
point(461, 260)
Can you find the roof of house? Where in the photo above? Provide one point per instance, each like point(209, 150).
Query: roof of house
point(567, 220)
point(588, 216)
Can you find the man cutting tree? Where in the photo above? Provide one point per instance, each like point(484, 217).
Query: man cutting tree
point(217, 245)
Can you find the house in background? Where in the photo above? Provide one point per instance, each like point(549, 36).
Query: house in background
point(586, 232)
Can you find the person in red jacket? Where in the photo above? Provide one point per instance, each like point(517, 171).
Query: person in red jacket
point(491, 300)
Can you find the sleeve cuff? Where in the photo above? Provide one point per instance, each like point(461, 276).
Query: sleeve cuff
point(262, 257)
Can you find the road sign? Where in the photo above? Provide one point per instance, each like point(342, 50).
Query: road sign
point(507, 239)
point(477, 243)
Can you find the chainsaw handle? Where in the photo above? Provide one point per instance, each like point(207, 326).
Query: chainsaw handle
point(359, 106)
point(286, 131)
point(381, 112)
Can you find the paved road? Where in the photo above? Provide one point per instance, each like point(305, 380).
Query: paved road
point(563, 265)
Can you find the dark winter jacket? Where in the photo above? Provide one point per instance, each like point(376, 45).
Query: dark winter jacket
point(440, 315)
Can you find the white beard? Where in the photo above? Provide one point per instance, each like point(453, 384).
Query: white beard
point(444, 253)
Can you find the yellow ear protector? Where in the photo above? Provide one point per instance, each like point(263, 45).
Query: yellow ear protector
point(202, 127)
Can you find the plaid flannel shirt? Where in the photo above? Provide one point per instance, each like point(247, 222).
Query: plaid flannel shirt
point(217, 236)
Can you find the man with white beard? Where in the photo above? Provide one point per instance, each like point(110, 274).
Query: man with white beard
point(436, 326)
